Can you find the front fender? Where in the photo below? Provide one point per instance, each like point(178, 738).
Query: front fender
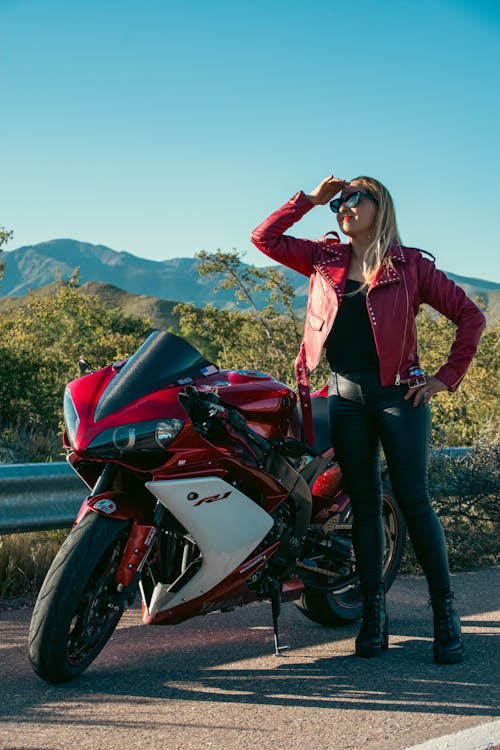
point(115, 504)
point(143, 530)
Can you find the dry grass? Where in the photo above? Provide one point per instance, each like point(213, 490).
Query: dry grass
point(25, 560)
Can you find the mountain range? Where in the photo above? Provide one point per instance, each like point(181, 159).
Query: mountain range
point(32, 267)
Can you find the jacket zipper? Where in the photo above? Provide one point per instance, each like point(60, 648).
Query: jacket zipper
point(398, 376)
point(374, 323)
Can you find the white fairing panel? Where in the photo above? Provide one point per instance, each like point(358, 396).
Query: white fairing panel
point(226, 524)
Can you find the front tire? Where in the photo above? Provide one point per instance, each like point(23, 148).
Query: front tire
point(73, 617)
point(344, 603)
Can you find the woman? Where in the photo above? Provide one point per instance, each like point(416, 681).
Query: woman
point(363, 299)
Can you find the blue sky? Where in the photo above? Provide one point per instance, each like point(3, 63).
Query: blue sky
point(163, 128)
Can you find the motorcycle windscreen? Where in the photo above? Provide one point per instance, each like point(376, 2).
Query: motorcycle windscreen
point(163, 360)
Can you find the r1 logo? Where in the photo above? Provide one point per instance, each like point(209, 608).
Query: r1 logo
point(213, 498)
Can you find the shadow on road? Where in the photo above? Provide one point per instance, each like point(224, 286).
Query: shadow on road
point(228, 658)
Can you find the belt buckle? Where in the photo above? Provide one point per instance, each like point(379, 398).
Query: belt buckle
point(416, 378)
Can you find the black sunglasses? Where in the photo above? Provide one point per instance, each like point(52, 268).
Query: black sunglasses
point(350, 200)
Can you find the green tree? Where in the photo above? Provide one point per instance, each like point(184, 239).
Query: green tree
point(265, 338)
point(40, 345)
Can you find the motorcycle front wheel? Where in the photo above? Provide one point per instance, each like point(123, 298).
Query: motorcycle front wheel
point(343, 602)
point(73, 616)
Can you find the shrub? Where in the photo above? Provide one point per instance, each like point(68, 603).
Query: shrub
point(465, 495)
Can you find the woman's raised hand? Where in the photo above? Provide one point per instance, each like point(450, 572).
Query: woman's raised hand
point(326, 190)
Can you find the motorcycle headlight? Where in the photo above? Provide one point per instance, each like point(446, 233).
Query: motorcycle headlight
point(71, 419)
point(141, 438)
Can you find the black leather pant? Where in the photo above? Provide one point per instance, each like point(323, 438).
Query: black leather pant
point(363, 415)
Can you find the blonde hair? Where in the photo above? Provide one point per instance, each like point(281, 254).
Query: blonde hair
point(386, 230)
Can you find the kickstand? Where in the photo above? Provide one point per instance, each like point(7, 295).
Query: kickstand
point(276, 608)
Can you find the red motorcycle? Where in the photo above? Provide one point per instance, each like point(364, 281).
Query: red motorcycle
point(202, 496)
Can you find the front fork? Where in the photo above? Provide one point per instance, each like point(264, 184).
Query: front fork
point(142, 536)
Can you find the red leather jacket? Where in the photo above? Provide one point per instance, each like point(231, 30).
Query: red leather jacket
point(404, 281)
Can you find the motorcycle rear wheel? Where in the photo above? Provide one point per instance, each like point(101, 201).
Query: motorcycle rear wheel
point(73, 618)
point(344, 603)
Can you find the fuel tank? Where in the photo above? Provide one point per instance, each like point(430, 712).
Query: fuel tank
point(265, 403)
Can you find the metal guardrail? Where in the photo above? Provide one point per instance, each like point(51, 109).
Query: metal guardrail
point(36, 497)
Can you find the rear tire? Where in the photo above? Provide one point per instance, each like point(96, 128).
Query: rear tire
point(344, 604)
point(72, 619)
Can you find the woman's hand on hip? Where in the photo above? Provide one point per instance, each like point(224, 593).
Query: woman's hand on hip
point(425, 392)
point(326, 190)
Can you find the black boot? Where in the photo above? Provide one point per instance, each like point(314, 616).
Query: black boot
point(448, 647)
point(373, 637)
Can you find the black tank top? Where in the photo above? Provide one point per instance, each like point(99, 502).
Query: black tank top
point(350, 344)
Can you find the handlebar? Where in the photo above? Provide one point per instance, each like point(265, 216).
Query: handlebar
point(211, 407)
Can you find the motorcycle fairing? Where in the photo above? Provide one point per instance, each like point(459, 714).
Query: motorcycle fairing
point(233, 591)
point(226, 525)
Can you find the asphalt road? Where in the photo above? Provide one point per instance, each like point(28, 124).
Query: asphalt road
point(214, 682)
